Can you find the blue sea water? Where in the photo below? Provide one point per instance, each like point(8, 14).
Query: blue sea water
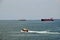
point(10, 30)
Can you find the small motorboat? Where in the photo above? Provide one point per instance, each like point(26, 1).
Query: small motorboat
point(24, 30)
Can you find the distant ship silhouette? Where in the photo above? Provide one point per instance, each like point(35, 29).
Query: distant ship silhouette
point(22, 20)
point(47, 19)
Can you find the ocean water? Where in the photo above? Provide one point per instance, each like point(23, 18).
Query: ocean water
point(38, 30)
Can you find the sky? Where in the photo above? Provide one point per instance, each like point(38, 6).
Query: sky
point(29, 9)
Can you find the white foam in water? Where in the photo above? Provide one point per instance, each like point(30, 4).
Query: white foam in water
point(38, 32)
point(44, 32)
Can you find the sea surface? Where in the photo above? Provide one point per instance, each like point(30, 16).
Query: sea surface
point(38, 30)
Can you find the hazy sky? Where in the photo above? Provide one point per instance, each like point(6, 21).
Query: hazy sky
point(29, 9)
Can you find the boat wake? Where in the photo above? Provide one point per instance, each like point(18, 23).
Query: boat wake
point(43, 32)
point(24, 30)
point(37, 32)
point(33, 33)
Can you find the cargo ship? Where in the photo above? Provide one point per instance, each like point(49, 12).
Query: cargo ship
point(47, 19)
